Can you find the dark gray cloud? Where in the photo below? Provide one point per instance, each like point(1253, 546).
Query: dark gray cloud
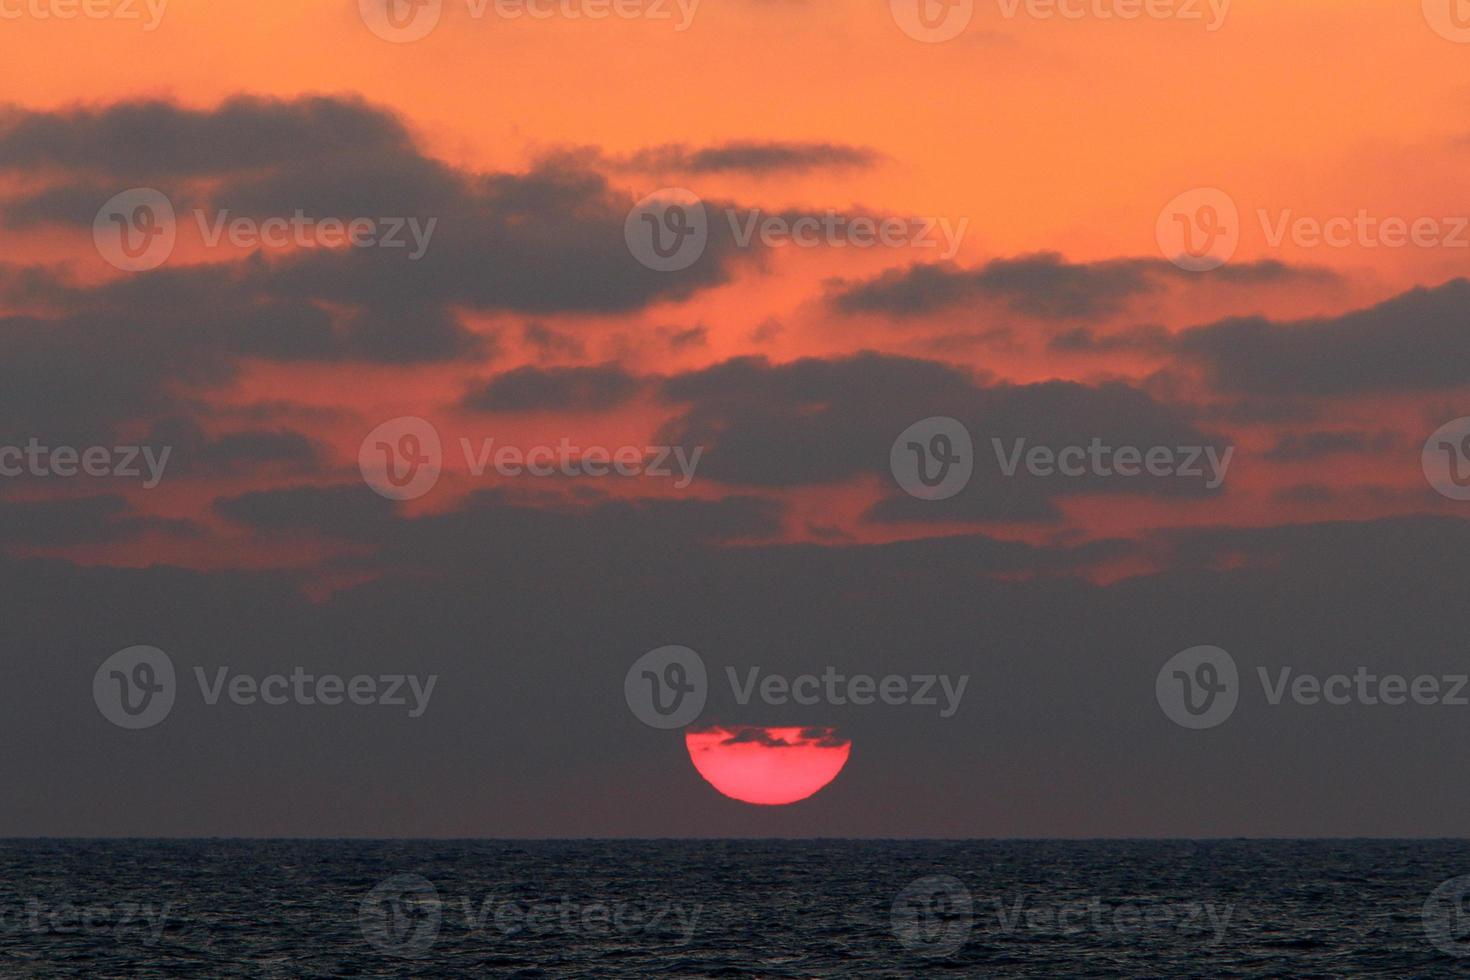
point(547, 240)
point(965, 341)
point(1306, 493)
point(194, 452)
point(344, 509)
point(1150, 339)
point(689, 337)
point(74, 203)
point(817, 421)
point(1044, 285)
point(542, 529)
point(151, 138)
point(121, 350)
point(76, 379)
point(1298, 446)
point(231, 309)
point(96, 519)
point(755, 157)
point(551, 344)
point(408, 333)
point(1417, 341)
point(810, 421)
point(632, 534)
point(1294, 548)
point(533, 389)
point(743, 735)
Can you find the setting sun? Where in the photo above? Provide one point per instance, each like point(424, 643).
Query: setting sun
point(770, 766)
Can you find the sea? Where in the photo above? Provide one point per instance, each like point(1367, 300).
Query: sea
point(734, 908)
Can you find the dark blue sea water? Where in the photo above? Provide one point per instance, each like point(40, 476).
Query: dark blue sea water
point(734, 908)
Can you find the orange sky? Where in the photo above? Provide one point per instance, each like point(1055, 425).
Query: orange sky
point(1048, 134)
point(1042, 135)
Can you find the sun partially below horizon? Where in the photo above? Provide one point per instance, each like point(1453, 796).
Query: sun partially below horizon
point(767, 766)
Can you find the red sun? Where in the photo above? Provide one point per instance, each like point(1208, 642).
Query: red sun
point(769, 766)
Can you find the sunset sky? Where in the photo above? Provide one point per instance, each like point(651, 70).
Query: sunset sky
point(1050, 148)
